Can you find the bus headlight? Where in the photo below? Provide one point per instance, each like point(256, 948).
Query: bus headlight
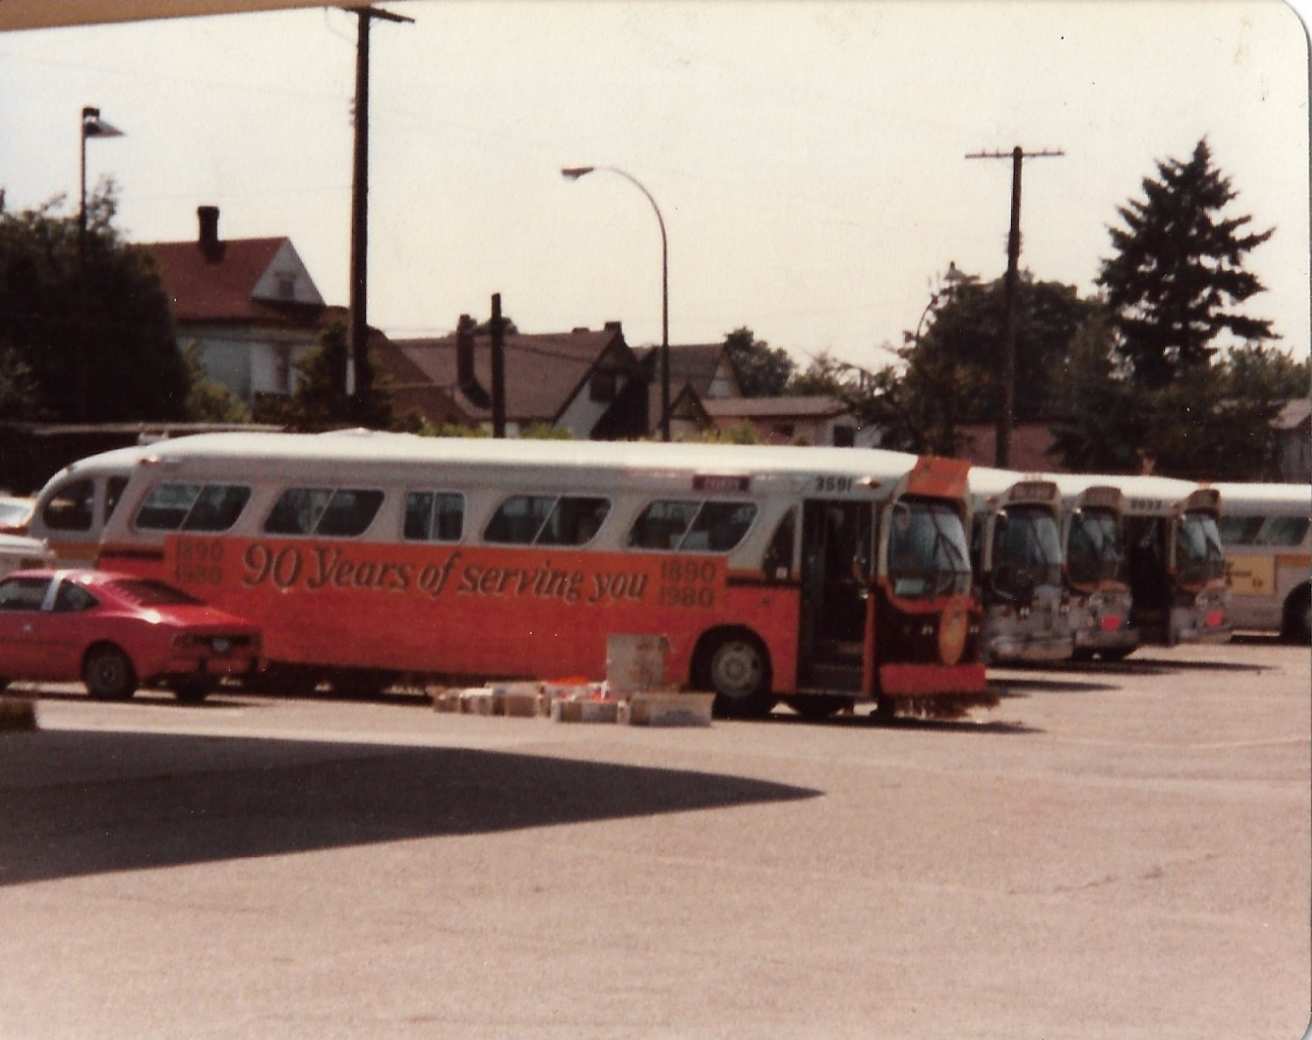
point(952, 630)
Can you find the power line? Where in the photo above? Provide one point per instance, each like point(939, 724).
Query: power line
point(1002, 449)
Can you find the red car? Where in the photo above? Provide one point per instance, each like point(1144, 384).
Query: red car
point(116, 632)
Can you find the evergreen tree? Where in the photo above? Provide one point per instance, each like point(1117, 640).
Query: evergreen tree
point(1178, 270)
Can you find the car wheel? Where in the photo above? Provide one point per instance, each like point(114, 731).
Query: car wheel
point(108, 674)
point(1119, 653)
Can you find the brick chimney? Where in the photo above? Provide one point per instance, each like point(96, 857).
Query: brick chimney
point(465, 352)
point(208, 241)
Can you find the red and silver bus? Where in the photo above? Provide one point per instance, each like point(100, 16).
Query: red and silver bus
point(1176, 560)
point(1016, 554)
point(1097, 566)
point(824, 577)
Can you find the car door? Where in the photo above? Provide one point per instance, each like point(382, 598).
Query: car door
point(65, 629)
point(21, 602)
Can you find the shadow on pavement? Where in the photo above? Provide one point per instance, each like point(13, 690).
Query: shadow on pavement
point(866, 721)
point(1020, 687)
point(76, 803)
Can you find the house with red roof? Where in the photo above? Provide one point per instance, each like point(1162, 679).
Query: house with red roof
point(248, 304)
point(812, 419)
point(587, 382)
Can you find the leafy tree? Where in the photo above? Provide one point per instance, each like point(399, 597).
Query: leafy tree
point(320, 400)
point(969, 327)
point(823, 377)
point(763, 370)
point(20, 394)
point(208, 401)
point(86, 318)
point(1178, 270)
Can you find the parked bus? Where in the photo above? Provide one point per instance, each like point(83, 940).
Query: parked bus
point(822, 576)
point(1016, 556)
point(1176, 561)
point(1267, 533)
point(1097, 566)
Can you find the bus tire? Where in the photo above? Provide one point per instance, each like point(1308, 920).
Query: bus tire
point(1298, 617)
point(734, 664)
point(193, 691)
point(108, 673)
point(818, 707)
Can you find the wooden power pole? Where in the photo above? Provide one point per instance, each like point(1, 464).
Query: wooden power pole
point(358, 303)
point(1007, 406)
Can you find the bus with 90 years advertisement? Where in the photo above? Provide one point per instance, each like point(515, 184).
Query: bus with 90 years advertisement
point(1267, 533)
point(821, 576)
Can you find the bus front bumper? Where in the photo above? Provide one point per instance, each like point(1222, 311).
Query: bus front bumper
point(1017, 648)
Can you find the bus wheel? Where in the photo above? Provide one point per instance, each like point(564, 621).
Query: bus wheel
point(1298, 618)
point(193, 691)
point(818, 706)
point(735, 666)
point(108, 674)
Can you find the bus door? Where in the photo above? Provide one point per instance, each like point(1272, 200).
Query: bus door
point(837, 568)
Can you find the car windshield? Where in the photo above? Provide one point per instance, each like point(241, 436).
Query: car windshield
point(1026, 550)
point(1094, 550)
point(927, 551)
point(1198, 550)
point(14, 512)
point(151, 593)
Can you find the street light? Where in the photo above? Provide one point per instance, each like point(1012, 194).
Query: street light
point(92, 126)
point(573, 173)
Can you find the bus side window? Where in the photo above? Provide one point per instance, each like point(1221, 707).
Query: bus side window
point(662, 524)
point(574, 521)
point(1283, 531)
point(518, 519)
point(719, 527)
point(434, 516)
point(779, 556)
point(70, 507)
point(297, 511)
point(113, 492)
point(349, 513)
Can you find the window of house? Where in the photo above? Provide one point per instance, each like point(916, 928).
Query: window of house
point(547, 520)
point(844, 437)
point(331, 512)
point(692, 525)
point(286, 286)
point(434, 516)
point(282, 369)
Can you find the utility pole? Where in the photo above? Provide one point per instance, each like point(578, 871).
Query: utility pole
point(1002, 450)
point(498, 329)
point(359, 331)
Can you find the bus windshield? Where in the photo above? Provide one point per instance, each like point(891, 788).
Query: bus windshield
point(1094, 551)
point(1026, 550)
point(927, 551)
point(1198, 548)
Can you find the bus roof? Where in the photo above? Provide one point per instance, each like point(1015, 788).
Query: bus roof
point(1284, 498)
point(404, 450)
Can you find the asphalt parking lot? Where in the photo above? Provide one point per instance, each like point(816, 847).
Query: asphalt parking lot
point(1114, 851)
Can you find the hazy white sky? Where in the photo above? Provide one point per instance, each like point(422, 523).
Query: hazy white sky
point(808, 158)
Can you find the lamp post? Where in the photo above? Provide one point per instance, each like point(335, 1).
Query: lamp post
point(573, 173)
point(92, 126)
